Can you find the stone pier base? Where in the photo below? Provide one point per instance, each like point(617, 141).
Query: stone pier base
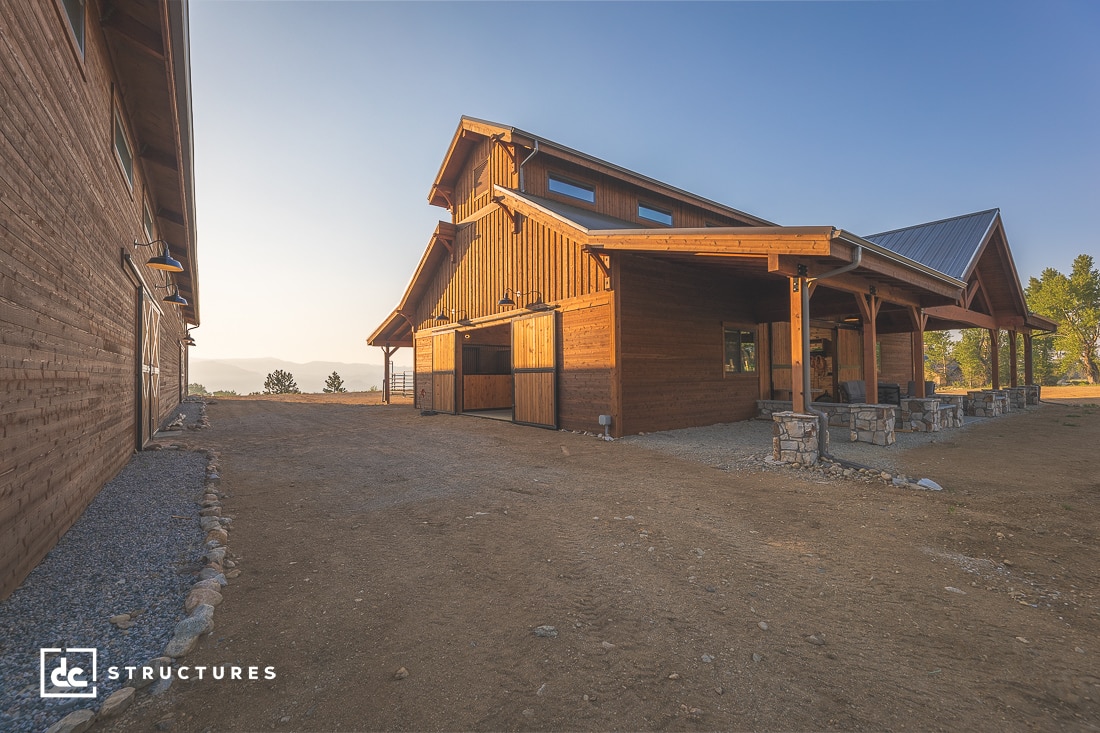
point(1033, 394)
point(920, 414)
point(796, 438)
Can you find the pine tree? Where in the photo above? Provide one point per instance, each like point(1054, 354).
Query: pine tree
point(280, 382)
point(334, 383)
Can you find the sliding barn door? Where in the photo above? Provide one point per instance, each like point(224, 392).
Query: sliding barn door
point(443, 372)
point(849, 355)
point(149, 367)
point(534, 370)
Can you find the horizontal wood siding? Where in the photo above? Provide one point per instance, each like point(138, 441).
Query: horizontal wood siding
point(584, 363)
point(68, 313)
point(672, 347)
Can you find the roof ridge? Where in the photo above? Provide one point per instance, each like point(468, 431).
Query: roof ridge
point(933, 223)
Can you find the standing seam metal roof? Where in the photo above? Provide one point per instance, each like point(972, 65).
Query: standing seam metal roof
point(948, 245)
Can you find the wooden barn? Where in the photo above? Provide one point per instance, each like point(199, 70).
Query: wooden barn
point(565, 288)
point(98, 270)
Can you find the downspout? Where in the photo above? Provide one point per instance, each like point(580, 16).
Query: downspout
point(822, 418)
point(524, 162)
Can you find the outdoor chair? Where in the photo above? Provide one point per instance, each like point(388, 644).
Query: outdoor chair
point(853, 391)
point(889, 394)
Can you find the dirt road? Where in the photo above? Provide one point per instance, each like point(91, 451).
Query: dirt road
point(684, 597)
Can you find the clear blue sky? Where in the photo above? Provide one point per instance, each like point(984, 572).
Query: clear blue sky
point(319, 127)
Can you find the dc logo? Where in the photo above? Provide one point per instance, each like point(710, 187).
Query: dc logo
point(72, 674)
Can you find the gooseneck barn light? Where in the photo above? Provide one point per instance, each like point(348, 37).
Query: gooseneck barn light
point(509, 294)
point(165, 262)
point(174, 297)
point(187, 340)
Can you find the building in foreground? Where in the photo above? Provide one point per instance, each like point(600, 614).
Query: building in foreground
point(564, 287)
point(96, 154)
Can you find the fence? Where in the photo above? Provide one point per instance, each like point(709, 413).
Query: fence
point(402, 383)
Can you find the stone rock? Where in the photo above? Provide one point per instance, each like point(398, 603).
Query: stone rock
point(607, 645)
point(707, 658)
point(161, 686)
point(188, 631)
point(233, 574)
point(674, 676)
point(209, 584)
point(545, 631)
point(77, 721)
point(927, 483)
point(122, 620)
point(401, 673)
point(757, 657)
point(210, 511)
point(212, 574)
point(219, 535)
point(198, 596)
point(216, 555)
point(165, 723)
point(816, 640)
point(763, 625)
point(209, 523)
point(118, 701)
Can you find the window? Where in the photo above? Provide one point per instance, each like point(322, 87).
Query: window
point(570, 188)
point(481, 179)
point(740, 350)
point(74, 11)
point(645, 211)
point(123, 150)
point(150, 230)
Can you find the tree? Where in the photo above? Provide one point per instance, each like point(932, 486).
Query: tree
point(280, 382)
point(334, 383)
point(938, 346)
point(972, 354)
point(1074, 302)
point(196, 388)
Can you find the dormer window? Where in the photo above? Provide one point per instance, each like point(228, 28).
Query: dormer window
point(573, 189)
point(652, 213)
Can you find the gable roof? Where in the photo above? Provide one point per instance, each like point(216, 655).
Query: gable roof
point(950, 246)
point(472, 130)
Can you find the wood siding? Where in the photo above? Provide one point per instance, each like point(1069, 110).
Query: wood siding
point(895, 359)
point(672, 347)
point(849, 354)
point(614, 197)
point(534, 369)
point(69, 312)
point(585, 362)
point(486, 391)
point(444, 376)
point(422, 365)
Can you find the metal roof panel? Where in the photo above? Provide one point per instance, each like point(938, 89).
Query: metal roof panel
point(948, 245)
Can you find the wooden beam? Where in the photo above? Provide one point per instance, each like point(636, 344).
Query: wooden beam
point(995, 358)
point(920, 320)
point(604, 266)
point(1013, 366)
point(869, 306)
point(800, 403)
point(144, 38)
point(961, 315)
point(1029, 370)
point(160, 157)
point(173, 216)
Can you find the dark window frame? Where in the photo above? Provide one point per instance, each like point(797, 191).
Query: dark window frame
point(567, 182)
point(659, 213)
point(739, 368)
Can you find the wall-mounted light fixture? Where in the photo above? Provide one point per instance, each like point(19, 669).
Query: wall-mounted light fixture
point(509, 294)
point(165, 262)
point(443, 317)
point(174, 298)
point(187, 340)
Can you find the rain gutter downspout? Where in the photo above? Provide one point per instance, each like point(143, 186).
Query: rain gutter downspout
point(822, 418)
point(524, 162)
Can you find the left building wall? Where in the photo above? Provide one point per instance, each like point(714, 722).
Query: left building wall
point(69, 303)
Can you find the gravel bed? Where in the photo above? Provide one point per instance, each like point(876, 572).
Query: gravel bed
point(129, 551)
point(745, 445)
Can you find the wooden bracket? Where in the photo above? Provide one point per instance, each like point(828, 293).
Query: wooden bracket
point(510, 150)
point(448, 195)
point(405, 315)
point(604, 265)
point(515, 216)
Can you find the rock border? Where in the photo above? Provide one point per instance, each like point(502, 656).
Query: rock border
point(220, 567)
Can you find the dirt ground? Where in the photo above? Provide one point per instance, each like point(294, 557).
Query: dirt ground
point(684, 597)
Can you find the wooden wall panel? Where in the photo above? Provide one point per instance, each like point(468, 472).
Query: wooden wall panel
point(422, 365)
point(535, 398)
point(849, 354)
point(486, 391)
point(585, 363)
point(672, 347)
point(534, 369)
point(444, 377)
point(68, 308)
point(617, 198)
point(895, 359)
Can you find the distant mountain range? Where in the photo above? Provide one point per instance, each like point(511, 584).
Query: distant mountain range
point(245, 376)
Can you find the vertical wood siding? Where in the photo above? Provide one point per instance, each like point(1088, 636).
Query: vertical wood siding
point(422, 358)
point(534, 366)
point(68, 311)
point(672, 347)
point(895, 359)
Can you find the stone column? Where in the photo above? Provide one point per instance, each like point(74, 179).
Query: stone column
point(796, 438)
